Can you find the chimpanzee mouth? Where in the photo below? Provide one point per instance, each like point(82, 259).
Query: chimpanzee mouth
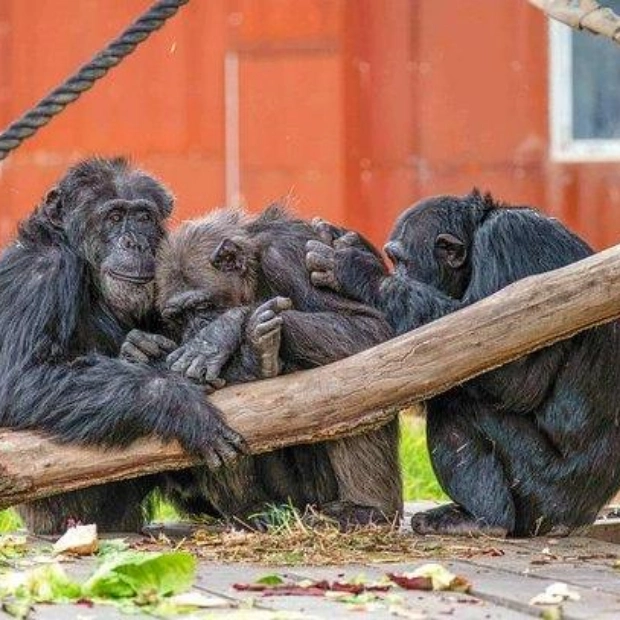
point(130, 277)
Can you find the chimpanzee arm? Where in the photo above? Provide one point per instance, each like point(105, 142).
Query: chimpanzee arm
point(317, 338)
point(513, 244)
point(359, 274)
point(408, 304)
point(324, 326)
point(52, 380)
point(345, 268)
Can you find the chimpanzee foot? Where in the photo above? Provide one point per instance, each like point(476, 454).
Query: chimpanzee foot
point(452, 520)
point(264, 334)
point(350, 516)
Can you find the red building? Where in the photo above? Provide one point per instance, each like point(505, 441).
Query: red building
point(355, 107)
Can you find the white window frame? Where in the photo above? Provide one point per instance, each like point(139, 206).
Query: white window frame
point(564, 147)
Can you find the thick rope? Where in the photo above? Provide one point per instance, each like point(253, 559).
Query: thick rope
point(86, 76)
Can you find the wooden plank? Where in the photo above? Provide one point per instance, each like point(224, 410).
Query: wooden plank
point(514, 590)
point(432, 604)
point(502, 586)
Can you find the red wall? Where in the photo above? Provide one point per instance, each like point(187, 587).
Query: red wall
point(355, 108)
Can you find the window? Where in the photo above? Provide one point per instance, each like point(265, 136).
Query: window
point(584, 94)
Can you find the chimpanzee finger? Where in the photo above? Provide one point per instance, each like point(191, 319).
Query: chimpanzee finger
point(268, 326)
point(226, 446)
point(145, 342)
point(183, 363)
point(226, 452)
point(183, 301)
point(349, 240)
point(282, 303)
point(216, 384)
point(317, 262)
point(275, 304)
point(212, 369)
point(234, 439)
point(175, 355)
point(324, 280)
point(195, 370)
point(211, 386)
point(211, 458)
point(323, 230)
point(263, 317)
point(326, 231)
point(165, 344)
point(319, 248)
point(131, 353)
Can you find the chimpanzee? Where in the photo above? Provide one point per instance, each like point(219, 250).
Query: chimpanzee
point(78, 277)
point(528, 447)
point(219, 269)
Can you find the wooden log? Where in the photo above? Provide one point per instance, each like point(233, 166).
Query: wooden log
point(351, 395)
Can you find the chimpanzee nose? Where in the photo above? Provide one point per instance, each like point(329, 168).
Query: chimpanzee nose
point(133, 244)
point(393, 251)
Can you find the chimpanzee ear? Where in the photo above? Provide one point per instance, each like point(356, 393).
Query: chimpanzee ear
point(229, 256)
point(450, 250)
point(52, 207)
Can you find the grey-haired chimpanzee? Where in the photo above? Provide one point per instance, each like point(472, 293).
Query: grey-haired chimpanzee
point(78, 277)
point(216, 271)
point(528, 447)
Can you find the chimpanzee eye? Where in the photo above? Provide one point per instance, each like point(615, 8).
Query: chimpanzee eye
point(115, 217)
point(144, 217)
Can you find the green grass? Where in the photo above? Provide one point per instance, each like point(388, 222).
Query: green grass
point(419, 480)
point(9, 521)
point(418, 477)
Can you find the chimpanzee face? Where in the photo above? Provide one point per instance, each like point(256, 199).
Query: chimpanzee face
point(204, 268)
point(113, 216)
point(432, 241)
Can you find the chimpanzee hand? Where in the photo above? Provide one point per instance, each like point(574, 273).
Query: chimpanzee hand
point(348, 267)
point(321, 263)
point(146, 348)
point(339, 237)
point(181, 303)
point(202, 432)
point(326, 263)
point(214, 442)
point(202, 358)
point(263, 333)
point(327, 231)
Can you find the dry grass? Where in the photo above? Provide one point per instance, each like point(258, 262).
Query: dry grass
point(294, 542)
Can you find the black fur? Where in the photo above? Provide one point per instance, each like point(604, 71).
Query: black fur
point(528, 447)
point(78, 277)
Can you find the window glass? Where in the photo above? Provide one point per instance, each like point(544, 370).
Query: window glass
point(596, 85)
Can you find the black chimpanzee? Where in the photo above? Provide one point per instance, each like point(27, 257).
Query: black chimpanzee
point(78, 277)
point(528, 447)
point(215, 271)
